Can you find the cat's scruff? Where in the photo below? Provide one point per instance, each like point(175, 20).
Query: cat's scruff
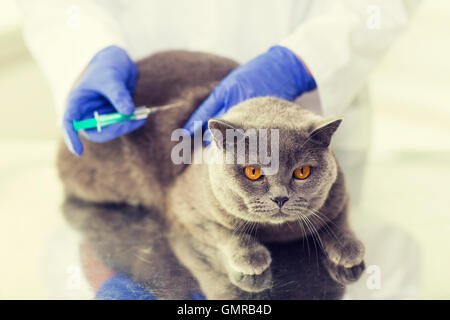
point(216, 216)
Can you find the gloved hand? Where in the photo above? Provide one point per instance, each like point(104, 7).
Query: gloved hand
point(106, 87)
point(277, 73)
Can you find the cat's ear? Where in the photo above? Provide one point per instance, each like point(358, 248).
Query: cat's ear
point(218, 129)
point(323, 133)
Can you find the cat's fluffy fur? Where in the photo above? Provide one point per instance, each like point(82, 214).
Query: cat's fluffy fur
point(198, 207)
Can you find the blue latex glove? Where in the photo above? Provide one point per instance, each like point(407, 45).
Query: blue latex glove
point(120, 287)
point(106, 87)
point(277, 73)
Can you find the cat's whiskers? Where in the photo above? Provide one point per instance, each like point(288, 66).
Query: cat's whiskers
point(300, 223)
point(323, 221)
point(239, 228)
point(142, 259)
point(314, 231)
point(281, 285)
point(250, 233)
point(242, 231)
point(305, 235)
point(253, 226)
point(239, 225)
point(318, 215)
point(290, 227)
point(245, 234)
point(315, 236)
point(328, 220)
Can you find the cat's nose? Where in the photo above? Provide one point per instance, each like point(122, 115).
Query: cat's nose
point(280, 201)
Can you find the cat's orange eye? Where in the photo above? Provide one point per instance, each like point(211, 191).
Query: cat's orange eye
point(302, 172)
point(253, 173)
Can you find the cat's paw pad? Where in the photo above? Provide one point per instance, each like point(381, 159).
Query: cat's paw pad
point(345, 275)
point(251, 283)
point(251, 261)
point(347, 254)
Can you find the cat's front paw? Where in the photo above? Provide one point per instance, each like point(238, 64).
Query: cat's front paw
point(348, 253)
point(251, 283)
point(252, 260)
point(344, 261)
point(342, 274)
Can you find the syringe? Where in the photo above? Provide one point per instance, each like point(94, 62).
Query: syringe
point(102, 120)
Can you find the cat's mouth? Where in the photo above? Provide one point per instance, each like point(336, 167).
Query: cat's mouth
point(273, 215)
point(279, 216)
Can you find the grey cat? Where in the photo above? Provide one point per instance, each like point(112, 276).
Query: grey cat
point(213, 219)
point(275, 208)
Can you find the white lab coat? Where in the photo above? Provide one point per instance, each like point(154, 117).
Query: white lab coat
point(339, 41)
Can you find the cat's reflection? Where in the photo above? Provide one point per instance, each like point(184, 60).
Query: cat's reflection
point(131, 240)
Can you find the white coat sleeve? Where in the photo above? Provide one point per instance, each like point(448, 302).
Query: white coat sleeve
point(63, 36)
point(342, 41)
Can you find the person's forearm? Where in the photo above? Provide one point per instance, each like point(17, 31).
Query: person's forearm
point(63, 36)
point(342, 41)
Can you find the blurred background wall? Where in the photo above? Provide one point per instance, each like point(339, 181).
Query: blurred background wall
point(407, 181)
point(27, 110)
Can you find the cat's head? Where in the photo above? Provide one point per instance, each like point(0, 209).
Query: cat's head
point(301, 171)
